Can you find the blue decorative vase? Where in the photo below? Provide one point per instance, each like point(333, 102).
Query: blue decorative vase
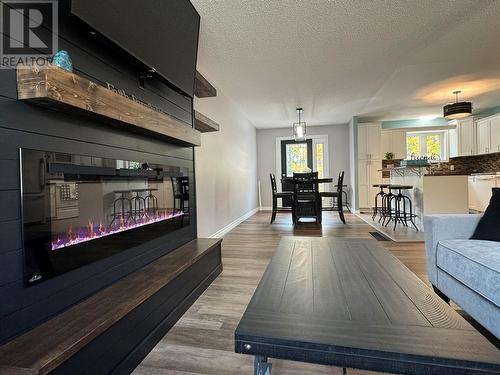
point(62, 60)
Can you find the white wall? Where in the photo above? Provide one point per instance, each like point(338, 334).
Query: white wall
point(225, 166)
point(338, 152)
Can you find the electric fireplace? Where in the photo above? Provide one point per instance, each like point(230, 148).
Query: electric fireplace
point(79, 209)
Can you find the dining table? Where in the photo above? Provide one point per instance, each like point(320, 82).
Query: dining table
point(288, 183)
point(319, 180)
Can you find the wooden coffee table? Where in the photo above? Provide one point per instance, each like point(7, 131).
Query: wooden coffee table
point(352, 304)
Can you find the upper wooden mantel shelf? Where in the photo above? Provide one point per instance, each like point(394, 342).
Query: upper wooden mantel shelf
point(57, 88)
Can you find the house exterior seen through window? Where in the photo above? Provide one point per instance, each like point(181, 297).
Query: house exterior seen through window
point(431, 144)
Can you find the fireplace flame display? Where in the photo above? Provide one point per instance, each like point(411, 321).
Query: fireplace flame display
point(79, 209)
point(98, 230)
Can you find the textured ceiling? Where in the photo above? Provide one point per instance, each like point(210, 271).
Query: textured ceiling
point(382, 60)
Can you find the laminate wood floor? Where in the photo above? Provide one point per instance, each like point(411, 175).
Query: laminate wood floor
point(202, 341)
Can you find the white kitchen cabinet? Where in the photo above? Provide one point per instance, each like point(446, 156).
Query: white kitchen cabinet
point(462, 139)
point(363, 197)
point(484, 186)
point(368, 175)
point(495, 134)
point(386, 142)
point(369, 138)
point(453, 143)
point(373, 144)
point(363, 183)
point(375, 177)
point(466, 144)
point(363, 177)
point(472, 194)
point(480, 191)
point(394, 141)
point(362, 142)
point(369, 162)
point(399, 144)
point(483, 136)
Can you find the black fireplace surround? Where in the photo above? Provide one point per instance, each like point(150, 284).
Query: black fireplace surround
point(75, 216)
point(79, 209)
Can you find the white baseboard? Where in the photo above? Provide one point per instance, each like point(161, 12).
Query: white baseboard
point(234, 224)
point(265, 208)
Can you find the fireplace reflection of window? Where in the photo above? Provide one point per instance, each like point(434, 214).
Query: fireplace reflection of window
point(80, 209)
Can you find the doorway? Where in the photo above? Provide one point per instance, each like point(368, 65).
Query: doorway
point(296, 156)
point(311, 153)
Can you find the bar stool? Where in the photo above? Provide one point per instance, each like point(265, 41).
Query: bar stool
point(377, 209)
point(150, 201)
point(138, 203)
point(403, 207)
point(122, 207)
point(387, 211)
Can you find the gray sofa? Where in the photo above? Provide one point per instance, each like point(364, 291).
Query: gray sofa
point(467, 271)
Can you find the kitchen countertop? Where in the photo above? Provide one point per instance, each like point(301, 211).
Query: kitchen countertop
point(438, 174)
point(452, 173)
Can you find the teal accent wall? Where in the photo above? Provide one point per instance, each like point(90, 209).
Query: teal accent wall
point(440, 121)
point(400, 124)
point(487, 112)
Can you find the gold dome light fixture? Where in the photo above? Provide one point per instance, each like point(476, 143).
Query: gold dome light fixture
point(299, 128)
point(458, 109)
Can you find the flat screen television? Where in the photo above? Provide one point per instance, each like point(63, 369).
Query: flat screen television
point(163, 34)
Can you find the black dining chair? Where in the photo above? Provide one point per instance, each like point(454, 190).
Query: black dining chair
point(306, 199)
point(337, 196)
point(277, 195)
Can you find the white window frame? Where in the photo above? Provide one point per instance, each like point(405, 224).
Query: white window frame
point(444, 135)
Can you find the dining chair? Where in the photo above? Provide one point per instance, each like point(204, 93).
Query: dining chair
point(306, 199)
point(337, 196)
point(277, 195)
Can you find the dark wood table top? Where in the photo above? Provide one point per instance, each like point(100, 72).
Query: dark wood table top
point(322, 180)
point(350, 303)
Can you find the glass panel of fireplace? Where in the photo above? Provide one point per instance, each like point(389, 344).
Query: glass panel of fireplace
point(132, 209)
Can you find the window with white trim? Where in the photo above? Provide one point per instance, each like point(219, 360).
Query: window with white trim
point(432, 144)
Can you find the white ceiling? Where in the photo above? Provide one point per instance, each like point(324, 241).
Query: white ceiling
point(383, 60)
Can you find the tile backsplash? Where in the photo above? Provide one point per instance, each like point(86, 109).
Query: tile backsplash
point(489, 163)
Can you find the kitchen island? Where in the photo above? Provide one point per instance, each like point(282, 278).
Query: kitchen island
point(432, 194)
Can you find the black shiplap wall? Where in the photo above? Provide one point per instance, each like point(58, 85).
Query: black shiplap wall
point(30, 126)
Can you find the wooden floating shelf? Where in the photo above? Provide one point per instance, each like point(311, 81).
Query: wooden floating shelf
point(203, 88)
point(59, 89)
point(204, 124)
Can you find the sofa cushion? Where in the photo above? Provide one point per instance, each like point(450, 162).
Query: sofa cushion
point(474, 263)
point(488, 227)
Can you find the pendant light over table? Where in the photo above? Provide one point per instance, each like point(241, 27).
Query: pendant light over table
point(299, 128)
